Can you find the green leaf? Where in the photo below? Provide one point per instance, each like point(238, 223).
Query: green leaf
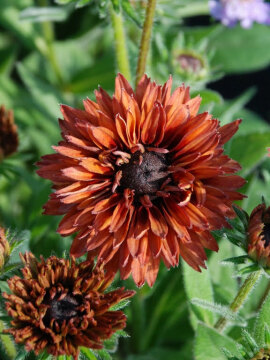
point(120, 305)
point(45, 96)
point(132, 13)
point(198, 285)
point(116, 5)
point(262, 319)
point(238, 260)
point(241, 50)
point(209, 344)
point(82, 3)
point(249, 150)
point(88, 353)
point(209, 96)
point(40, 14)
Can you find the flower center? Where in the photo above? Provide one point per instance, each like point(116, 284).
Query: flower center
point(144, 173)
point(64, 309)
point(266, 234)
point(190, 63)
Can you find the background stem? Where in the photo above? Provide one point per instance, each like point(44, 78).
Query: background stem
point(240, 298)
point(48, 33)
point(120, 43)
point(145, 39)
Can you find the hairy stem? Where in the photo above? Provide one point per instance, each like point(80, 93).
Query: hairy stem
point(145, 39)
point(240, 298)
point(120, 43)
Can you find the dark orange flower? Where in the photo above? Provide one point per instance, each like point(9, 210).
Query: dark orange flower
point(4, 248)
point(259, 235)
point(8, 133)
point(59, 306)
point(142, 177)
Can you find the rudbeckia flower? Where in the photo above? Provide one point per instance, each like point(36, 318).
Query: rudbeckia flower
point(142, 177)
point(59, 305)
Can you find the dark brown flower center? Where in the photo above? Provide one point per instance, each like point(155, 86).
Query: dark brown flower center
point(64, 309)
point(266, 234)
point(145, 172)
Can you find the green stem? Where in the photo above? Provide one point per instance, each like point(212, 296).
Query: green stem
point(7, 343)
point(240, 298)
point(145, 39)
point(120, 43)
point(48, 32)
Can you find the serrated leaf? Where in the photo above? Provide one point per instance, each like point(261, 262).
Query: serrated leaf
point(40, 14)
point(209, 344)
point(224, 311)
point(198, 285)
point(82, 3)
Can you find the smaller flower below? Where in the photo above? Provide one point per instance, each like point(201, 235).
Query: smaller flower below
point(4, 248)
point(259, 235)
point(229, 12)
point(59, 305)
point(8, 133)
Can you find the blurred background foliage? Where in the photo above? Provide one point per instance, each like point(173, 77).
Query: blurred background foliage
point(54, 52)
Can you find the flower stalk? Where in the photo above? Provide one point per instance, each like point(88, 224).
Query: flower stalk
point(48, 33)
point(145, 39)
point(120, 43)
point(240, 298)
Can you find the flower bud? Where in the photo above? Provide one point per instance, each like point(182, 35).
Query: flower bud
point(8, 133)
point(4, 248)
point(259, 235)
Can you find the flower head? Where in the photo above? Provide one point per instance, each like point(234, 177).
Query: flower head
point(8, 133)
point(4, 248)
point(259, 235)
point(244, 11)
point(59, 306)
point(142, 177)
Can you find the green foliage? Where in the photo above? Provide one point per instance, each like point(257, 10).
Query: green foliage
point(209, 344)
point(198, 286)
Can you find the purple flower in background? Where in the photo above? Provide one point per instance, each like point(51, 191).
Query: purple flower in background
point(245, 11)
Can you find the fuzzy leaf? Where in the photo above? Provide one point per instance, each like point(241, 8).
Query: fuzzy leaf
point(262, 319)
point(198, 285)
point(209, 344)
